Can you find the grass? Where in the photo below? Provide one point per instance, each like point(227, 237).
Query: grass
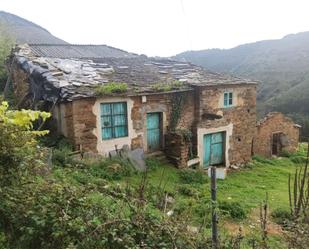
point(239, 195)
point(247, 186)
point(245, 189)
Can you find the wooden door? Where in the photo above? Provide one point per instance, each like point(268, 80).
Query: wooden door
point(214, 149)
point(153, 131)
point(276, 144)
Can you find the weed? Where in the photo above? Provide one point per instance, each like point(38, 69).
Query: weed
point(167, 86)
point(263, 160)
point(187, 190)
point(152, 163)
point(298, 159)
point(233, 209)
point(190, 176)
point(281, 215)
point(112, 169)
point(112, 87)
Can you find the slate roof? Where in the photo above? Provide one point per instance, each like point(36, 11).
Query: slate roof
point(55, 78)
point(271, 115)
point(69, 51)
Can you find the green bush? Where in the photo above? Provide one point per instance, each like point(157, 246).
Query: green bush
point(18, 141)
point(187, 190)
point(190, 176)
point(233, 209)
point(298, 159)
point(152, 163)
point(3, 241)
point(112, 169)
point(64, 158)
point(46, 213)
point(281, 216)
point(58, 142)
point(285, 153)
point(263, 160)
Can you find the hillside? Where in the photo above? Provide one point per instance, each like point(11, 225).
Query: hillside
point(282, 67)
point(25, 31)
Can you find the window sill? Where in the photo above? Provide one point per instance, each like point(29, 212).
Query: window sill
point(114, 138)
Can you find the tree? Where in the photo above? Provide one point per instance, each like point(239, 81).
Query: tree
point(6, 44)
point(18, 139)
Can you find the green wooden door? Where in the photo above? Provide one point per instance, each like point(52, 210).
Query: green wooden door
point(213, 149)
point(153, 131)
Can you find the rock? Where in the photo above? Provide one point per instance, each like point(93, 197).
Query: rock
point(170, 213)
point(170, 200)
point(192, 229)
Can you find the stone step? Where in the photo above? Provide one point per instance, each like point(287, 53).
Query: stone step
point(155, 154)
point(159, 155)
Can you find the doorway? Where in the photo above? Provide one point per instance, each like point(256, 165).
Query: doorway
point(276, 143)
point(214, 149)
point(154, 131)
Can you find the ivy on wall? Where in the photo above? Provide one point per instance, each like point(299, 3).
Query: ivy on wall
point(178, 101)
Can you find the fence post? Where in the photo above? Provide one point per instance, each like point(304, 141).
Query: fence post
point(214, 220)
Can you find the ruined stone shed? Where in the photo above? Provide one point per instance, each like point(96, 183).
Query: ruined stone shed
point(163, 100)
point(275, 134)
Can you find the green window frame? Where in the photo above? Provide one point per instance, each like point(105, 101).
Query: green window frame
point(228, 99)
point(114, 120)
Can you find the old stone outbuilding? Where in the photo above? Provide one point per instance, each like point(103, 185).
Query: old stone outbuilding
point(275, 133)
point(104, 99)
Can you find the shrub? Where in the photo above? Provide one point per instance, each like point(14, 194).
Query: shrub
point(190, 176)
point(261, 159)
point(59, 142)
point(298, 159)
point(18, 140)
point(63, 158)
point(50, 214)
point(110, 88)
point(233, 209)
point(152, 163)
point(112, 169)
point(3, 241)
point(281, 216)
point(187, 190)
point(285, 153)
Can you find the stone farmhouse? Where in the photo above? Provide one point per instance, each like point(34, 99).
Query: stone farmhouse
point(104, 99)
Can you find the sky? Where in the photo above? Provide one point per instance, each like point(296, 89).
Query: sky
point(165, 27)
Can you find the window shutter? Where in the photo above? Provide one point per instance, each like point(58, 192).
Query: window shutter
point(225, 99)
point(114, 120)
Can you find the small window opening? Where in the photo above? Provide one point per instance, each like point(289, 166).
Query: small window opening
point(228, 99)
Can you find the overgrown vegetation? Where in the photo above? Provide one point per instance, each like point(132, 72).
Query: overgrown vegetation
point(105, 203)
point(167, 86)
point(178, 101)
point(112, 88)
point(6, 44)
point(18, 142)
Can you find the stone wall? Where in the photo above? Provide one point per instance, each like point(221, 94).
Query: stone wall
point(177, 149)
point(239, 120)
point(202, 111)
point(275, 123)
point(78, 123)
point(81, 121)
point(20, 82)
point(160, 103)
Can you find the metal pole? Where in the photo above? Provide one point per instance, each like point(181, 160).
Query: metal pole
point(214, 219)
